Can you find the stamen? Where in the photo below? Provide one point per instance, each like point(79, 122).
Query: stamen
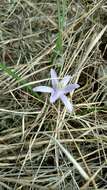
point(60, 86)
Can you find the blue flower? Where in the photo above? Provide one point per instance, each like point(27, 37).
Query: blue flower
point(59, 89)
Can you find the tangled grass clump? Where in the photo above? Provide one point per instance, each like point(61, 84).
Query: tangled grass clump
point(42, 146)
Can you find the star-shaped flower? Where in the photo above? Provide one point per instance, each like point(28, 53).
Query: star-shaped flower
point(59, 89)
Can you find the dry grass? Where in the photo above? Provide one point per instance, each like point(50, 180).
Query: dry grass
point(42, 146)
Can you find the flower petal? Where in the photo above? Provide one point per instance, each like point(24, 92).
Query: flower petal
point(54, 78)
point(65, 80)
point(43, 89)
point(54, 96)
point(67, 103)
point(70, 88)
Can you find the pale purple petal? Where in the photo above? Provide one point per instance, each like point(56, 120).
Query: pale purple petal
point(54, 78)
point(43, 89)
point(70, 88)
point(54, 96)
point(67, 103)
point(65, 80)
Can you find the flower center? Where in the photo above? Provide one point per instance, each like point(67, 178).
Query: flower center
point(60, 85)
